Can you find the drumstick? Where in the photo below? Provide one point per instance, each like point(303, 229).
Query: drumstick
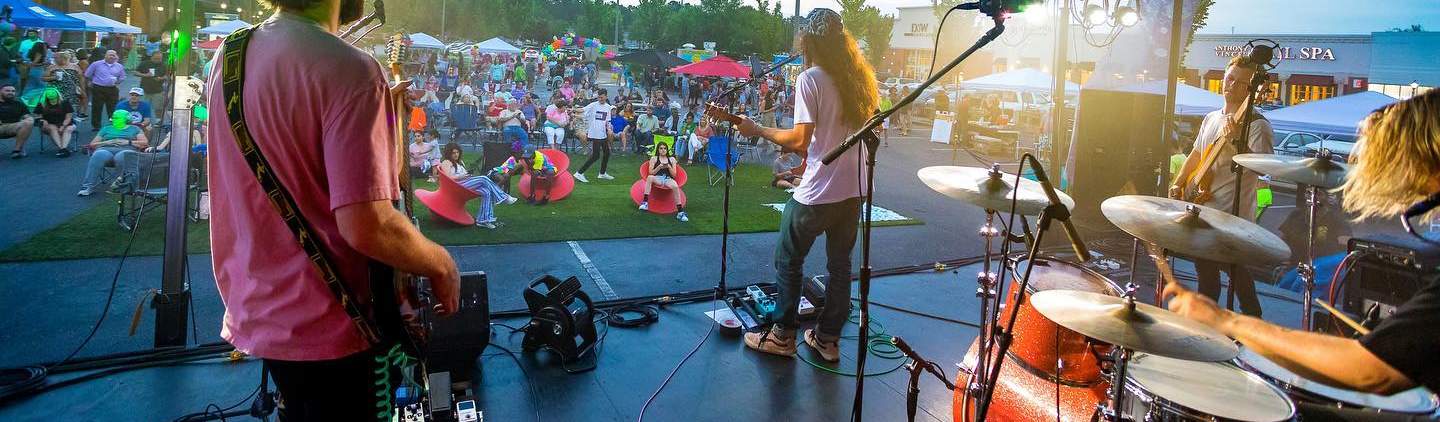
point(1341, 316)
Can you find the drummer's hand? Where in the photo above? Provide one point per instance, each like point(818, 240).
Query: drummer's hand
point(1176, 191)
point(1195, 306)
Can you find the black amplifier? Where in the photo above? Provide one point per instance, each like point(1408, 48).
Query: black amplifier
point(1387, 271)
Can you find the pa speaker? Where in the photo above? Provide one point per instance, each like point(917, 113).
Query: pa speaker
point(1117, 147)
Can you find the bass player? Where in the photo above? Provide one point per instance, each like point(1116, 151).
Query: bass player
point(1217, 189)
point(328, 138)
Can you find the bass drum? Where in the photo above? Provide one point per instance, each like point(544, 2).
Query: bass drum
point(1416, 401)
point(1163, 389)
point(1040, 343)
point(1022, 395)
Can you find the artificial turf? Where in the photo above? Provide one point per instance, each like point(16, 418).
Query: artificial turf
point(601, 209)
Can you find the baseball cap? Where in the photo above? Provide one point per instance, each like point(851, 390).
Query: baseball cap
point(137, 91)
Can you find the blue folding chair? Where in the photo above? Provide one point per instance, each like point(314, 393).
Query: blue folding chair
point(715, 152)
point(465, 122)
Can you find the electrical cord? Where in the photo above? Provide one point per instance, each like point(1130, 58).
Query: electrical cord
point(649, 314)
point(218, 412)
point(534, 398)
point(879, 345)
point(687, 357)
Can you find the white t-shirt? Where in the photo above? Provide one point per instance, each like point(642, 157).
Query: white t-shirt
point(597, 115)
point(1223, 185)
point(818, 102)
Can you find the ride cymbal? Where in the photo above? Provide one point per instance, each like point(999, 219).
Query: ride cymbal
point(1194, 230)
point(1314, 171)
point(1135, 326)
point(990, 188)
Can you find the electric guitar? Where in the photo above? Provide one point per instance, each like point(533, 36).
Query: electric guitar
point(717, 113)
point(1197, 187)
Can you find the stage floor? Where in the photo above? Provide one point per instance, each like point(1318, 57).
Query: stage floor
point(724, 381)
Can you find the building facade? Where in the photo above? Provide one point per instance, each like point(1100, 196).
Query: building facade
point(1311, 67)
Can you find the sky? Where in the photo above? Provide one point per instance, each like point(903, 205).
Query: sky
point(1262, 16)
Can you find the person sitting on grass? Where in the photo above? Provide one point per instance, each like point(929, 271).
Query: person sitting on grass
point(529, 161)
point(57, 119)
point(788, 168)
point(490, 194)
point(662, 168)
point(109, 141)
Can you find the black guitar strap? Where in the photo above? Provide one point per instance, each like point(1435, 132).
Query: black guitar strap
point(234, 87)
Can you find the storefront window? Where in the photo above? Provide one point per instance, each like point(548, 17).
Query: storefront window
point(1214, 85)
point(1300, 94)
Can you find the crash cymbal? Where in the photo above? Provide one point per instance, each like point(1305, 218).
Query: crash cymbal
point(1194, 230)
point(989, 188)
point(1142, 328)
point(1314, 171)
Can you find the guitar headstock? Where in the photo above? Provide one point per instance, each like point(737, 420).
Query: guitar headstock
point(719, 113)
point(397, 50)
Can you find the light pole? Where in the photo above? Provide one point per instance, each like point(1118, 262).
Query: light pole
point(442, 18)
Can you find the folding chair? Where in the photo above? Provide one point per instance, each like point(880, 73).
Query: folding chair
point(715, 154)
point(150, 191)
point(465, 120)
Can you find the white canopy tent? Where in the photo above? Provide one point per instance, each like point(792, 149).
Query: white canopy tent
point(97, 23)
point(498, 46)
point(1189, 100)
point(423, 40)
point(224, 28)
point(1017, 80)
point(1332, 116)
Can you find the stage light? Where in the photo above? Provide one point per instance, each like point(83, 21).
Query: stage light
point(1095, 15)
point(1126, 16)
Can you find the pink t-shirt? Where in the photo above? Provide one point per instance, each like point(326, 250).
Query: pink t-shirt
point(328, 135)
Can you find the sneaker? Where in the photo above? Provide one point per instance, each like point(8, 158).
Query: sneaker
point(63, 153)
point(581, 177)
point(17, 154)
point(510, 200)
point(645, 206)
point(830, 351)
point(682, 217)
point(771, 341)
point(485, 224)
point(84, 192)
point(605, 176)
point(543, 201)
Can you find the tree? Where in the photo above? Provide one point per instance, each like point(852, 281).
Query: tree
point(867, 24)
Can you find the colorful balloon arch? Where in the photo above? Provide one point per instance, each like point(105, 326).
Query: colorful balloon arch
point(571, 40)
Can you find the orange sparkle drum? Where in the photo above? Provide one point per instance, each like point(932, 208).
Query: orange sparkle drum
point(1024, 395)
point(1042, 346)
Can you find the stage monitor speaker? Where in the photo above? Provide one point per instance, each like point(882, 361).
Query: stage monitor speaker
point(1117, 148)
point(457, 341)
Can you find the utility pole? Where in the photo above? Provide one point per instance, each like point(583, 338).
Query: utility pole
point(1059, 131)
point(443, 3)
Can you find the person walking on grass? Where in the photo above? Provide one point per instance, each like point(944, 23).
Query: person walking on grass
point(599, 132)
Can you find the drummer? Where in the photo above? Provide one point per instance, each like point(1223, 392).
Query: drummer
point(1397, 163)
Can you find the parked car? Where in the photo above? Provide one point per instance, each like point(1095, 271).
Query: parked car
point(892, 83)
point(1307, 144)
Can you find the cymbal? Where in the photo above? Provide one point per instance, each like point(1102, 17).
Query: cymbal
point(1195, 230)
point(1143, 328)
point(989, 188)
point(1314, 171)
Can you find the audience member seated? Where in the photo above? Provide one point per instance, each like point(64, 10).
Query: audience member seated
point(424, 154)
point(511, 122)
point(137, 106)
point(645, 126)
point(788, 168)
point(109, 141)
point(534, 164)
point(663, 171)
point(130, 161)
point(57, 120)
point(15, 120)
point(557, 116)
point(490, 193)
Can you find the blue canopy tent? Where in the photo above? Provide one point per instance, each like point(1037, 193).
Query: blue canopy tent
point(27, 14)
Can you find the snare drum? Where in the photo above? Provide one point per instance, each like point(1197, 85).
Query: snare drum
point(1158, 388)
point(1039, 343)
point(1416, 401)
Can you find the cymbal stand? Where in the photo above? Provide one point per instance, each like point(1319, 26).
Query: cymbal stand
point(1113, 407)
point(985, 290)
point(1306, 269)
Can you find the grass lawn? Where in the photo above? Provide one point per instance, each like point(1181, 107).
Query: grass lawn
point(601, 209)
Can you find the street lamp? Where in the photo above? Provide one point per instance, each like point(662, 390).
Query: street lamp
point(85, 2)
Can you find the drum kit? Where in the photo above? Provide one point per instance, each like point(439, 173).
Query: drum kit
point(1082, 348)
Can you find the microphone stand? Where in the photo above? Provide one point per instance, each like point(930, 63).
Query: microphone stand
point(916, 366)
point(1243, 147)
point(1055, 211)
point(867, 134)
point(720, 288)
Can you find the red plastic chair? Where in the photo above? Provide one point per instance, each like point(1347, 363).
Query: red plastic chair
point(563, 182)
point(448, 201)
point(662, 200)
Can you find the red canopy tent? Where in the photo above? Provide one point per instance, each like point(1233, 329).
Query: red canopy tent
point(720, 66)
point(211, 44)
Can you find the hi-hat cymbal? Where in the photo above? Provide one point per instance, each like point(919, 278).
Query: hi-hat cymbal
point(1143, 328)
point(1314, 171)
point(1194, 230)
point(990, 188)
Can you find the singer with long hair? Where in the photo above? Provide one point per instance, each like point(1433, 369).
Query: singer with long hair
point(834, 97)
point(1396, 163)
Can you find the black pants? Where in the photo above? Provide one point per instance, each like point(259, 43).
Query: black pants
point(598, 148)
point(1241, 283)
point(342, 389)
point(102, 102)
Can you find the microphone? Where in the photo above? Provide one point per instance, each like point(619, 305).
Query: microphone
point(1064, 214)
point(919, 361)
